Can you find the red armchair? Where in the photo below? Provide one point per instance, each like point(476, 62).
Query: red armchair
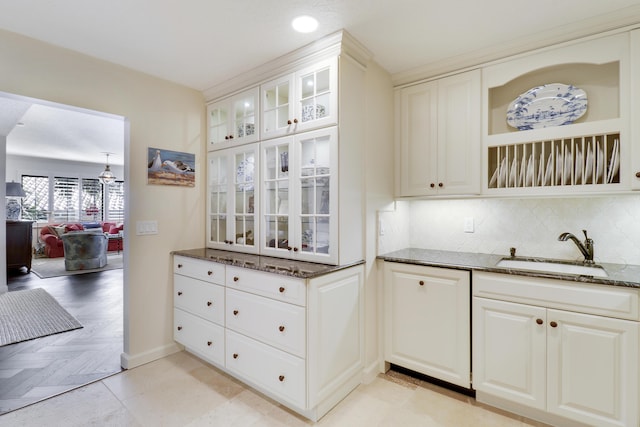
point(52, 242)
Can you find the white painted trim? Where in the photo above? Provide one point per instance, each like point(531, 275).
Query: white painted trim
point(128, 361)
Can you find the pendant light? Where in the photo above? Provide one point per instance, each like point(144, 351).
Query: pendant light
point(107, 177)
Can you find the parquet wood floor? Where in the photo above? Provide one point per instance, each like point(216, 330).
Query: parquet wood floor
point(34, 370)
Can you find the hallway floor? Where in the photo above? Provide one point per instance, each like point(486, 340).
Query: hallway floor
point(37, 369)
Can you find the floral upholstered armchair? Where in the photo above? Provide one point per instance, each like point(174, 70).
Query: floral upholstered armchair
point(84, 250)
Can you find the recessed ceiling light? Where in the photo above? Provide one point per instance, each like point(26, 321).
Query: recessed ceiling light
point(305, 24)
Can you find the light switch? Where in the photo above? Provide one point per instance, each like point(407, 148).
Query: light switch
point(468, 224)
point(146, 227)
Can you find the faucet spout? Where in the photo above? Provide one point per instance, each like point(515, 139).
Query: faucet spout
point(585, 248)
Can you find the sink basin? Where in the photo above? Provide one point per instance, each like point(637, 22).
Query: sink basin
point(547, 266)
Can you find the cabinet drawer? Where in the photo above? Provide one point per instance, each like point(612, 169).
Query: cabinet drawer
point(273, 322)
point(603, 300)
point(204, 338)
point(199, 269)
point(282, 288)
point(277, 372)
point(201, 298)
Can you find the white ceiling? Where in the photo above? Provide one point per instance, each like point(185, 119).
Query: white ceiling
point(201, 43)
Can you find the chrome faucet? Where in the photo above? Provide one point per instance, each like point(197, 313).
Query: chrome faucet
point(586, 248)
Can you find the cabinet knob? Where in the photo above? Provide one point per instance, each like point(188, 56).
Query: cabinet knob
point(209, 273)
point(637, 174)
point(179, 328)
point(235, 312)
point(432, 185)
point(288, 122)
point(295, 249)
point(179, 265)
point(553, 324)
point(295, 120)
point(209, 343)
point(539, 321)
point(236, 278)
point(281, 328)
point(209, 303)
point(289, 248)
point(281, 289)
point(226, 137)
point(235, 355)
point(179, 293)
point(281, 378)
point(421, 282)
point(440, 185)
point(230, 136)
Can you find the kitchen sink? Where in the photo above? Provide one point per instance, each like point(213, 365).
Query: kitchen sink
point(552, 266)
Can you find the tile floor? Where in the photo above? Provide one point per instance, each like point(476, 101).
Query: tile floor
point(181, 390)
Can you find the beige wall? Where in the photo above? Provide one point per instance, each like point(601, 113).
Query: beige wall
point(160, 114)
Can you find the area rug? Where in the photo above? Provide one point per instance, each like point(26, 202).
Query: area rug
point(45, 268)
point(32, 313)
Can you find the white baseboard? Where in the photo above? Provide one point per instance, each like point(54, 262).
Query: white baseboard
point(128, 361)
point(371, 372)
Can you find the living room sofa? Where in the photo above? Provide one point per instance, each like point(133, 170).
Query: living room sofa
point(53, 247)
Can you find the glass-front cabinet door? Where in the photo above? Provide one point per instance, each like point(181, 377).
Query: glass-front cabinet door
point(299, 217)
point(300, 101)
point(232, 199)
point(234, 121)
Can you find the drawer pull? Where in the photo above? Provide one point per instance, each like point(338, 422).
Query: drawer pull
point(421, 282)
point(281, 289)
point(235, 355)
point(179, 328)
point(179, 265)
point(553, 324)
point(179, 293)
point(281, 328)
point(209, 303)
point(539, 321)
point(209, 273)
point(281, 378)
point(209, 343)
point(235, 312)
point(236, 278)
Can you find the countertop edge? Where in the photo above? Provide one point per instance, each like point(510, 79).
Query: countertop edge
point(623, 275)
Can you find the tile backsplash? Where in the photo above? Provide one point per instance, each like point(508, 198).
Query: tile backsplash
point(531, 225)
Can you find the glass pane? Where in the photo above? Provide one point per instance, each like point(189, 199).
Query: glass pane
point(322, 81)
point(222, 228)
point(271, 231)
point(270, 98)
point(240, 201)
point(270, 194)
point(214, 229)
point(322, 235)
point(214, 208)
point(325, 208)
point(270, 120)
point(244, 117)
point(307, 199)
point(283, 116)
point(308, 235)
point(270, 162)
point(283, 94)
point(283, 201)
point(322, 106)
point(223, 201)
point(308, 83)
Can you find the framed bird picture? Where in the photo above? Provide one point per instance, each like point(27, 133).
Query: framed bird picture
point(166, 167)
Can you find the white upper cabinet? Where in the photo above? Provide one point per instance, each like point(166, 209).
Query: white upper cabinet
point(300, 182)
point(561, 143)
point(234, 120)
point(635, 109)
point(232, 198)
point(303, 100)
point(438, 134)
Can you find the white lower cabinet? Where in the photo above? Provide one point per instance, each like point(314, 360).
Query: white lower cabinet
point(532, 357)
point(427, 321)
point(299, 341)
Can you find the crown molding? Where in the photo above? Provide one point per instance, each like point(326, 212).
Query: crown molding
point(621, 20)
point(334, 44)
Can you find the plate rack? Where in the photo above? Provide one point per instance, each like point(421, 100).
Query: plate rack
point(587, 160)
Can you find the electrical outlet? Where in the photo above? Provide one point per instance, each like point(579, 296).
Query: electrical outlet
point(146, 227)
point(468, 225)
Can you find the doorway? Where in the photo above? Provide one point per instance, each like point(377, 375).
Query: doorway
point(41, 139)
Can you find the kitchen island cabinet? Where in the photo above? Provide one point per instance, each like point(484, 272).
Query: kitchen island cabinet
point(556, 352)
point(298, 337)
point(427, 321)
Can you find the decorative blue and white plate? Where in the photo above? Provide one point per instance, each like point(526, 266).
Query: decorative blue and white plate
point(554, 104)
point(244, 174)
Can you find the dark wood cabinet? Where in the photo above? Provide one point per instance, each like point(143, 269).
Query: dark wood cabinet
point(19, 235)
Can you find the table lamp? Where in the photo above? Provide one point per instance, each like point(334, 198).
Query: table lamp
point(14, 208)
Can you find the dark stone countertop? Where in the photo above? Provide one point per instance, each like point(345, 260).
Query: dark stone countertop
point(286, 267)
point(618, 274)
